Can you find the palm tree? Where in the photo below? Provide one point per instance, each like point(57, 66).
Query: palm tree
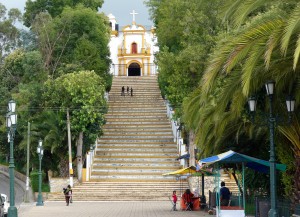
point(263, 43)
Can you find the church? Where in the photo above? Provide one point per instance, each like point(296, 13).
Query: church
point(132, 49)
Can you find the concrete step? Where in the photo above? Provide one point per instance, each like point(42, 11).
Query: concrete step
point(136, 116)
point(142, 147)
point(110, 198)
point(132, 122)
point(123, 165)
point(146, 105)
point(118, 140)
point(137, 136)
point(122, 180)
point(137, 144)
point(129, 171)
point(127, 177)
point(135, 99)
point(133, 131)
point(138, 94)
point(146, 109)
point(141, 92)
point(144, 126)
point(133, 118)
point(116, 85)
point(143, 160)
point(136, 154)
point(135, 185)
point(117, 191)
point(133, 149)
point(131, 83)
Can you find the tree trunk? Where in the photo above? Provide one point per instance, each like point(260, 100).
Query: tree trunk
point(79, 156)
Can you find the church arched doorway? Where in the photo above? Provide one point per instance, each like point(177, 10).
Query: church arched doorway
point(134, 69)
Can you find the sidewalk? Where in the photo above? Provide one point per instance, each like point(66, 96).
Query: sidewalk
point(105, 209)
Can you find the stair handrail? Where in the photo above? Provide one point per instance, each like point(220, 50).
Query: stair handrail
point(106, 96)
point(170, 112)
point(90, 156)
point(176, 133)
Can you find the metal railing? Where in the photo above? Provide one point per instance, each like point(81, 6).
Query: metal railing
point(181, 147)
point(259, 206)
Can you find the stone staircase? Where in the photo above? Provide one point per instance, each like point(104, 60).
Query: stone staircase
point(136, 149)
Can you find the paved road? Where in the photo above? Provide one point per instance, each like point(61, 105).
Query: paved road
point(4, 188)
point(105, 209)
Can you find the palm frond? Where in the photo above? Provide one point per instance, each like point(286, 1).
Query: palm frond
point(254, 59)
point(245, 9)
point(292, 26)
point(272, 43)
point(297, 53)
point(292, 133)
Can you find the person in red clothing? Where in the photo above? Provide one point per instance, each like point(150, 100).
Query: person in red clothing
point(174, 200)
point(187, 198)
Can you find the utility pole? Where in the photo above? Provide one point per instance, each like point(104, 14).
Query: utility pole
point(27, 170)
point(70, 148)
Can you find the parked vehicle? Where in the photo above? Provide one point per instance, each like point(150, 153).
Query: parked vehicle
point(1, 207)
point(5, 204)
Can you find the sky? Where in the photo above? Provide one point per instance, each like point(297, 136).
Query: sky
point(121, 9)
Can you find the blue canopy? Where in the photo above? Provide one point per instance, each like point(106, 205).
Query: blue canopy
point(251, 162)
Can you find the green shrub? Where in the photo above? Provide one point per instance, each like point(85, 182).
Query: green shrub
point(34, 179)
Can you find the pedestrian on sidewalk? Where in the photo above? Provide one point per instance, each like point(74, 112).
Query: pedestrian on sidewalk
point(131, 91)
point(68, 194)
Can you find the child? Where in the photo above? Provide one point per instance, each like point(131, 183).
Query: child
point(174, 200)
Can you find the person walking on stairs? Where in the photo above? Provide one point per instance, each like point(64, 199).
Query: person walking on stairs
point(131, 91)
point(127, 90)
point(123, 91)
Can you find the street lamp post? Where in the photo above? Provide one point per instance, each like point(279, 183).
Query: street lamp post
point(40, 152)
point(290, 102)
point(11, 124)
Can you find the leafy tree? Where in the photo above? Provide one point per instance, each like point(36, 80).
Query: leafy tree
point(20, 67)
point(185, 42)
point(78, 37)
point(21, 76)
point(54, 7)
point(9, 34)
point(83, 93)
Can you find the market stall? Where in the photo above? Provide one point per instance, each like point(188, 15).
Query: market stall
point(231, 157)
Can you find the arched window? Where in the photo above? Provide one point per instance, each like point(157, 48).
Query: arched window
point(133, 47)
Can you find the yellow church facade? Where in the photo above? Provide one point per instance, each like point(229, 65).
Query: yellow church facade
point(132, 49)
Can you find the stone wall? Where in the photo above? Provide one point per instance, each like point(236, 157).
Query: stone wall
point(57, 184)
point(195, 184)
